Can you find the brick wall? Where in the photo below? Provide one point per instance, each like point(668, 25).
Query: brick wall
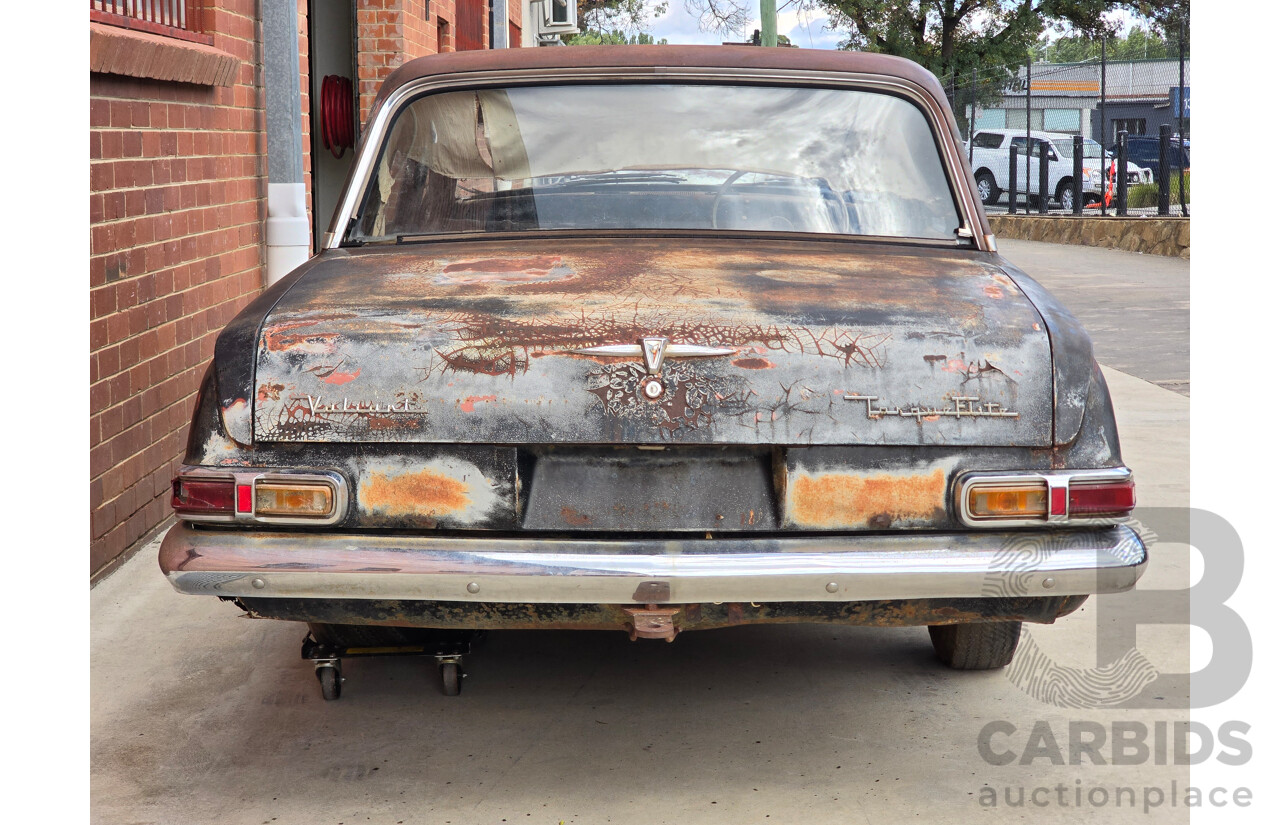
point(177, 206)
point(393, 31)
point(177, 186)
point(390, 32)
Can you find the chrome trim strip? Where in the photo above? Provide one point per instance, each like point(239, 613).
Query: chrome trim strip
point(671, 351)
point(1051, 479)
point(318, 565)
point(371, 141)
point(240, 475)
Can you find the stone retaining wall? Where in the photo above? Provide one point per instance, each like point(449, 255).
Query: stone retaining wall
point(1151, 236)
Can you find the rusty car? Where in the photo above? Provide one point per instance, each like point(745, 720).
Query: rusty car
point(654, 340)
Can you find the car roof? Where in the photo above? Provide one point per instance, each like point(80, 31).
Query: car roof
point(580, 58)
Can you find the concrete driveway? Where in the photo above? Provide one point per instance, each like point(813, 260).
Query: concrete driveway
point(201, 716)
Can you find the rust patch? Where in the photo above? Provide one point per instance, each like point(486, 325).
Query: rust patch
point(426, 493)
point(335, 377)
point(469, 403)
point(572, 516)
point(285, 336)
point(754, 363)
point(445, 489)
point(877, 501)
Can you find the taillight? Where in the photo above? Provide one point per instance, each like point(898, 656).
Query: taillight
point(1094, 500)
point(200, 497)
point(270, 497)
point(1021, 499)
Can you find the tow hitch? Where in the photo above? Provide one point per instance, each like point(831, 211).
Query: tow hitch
point(652, 622)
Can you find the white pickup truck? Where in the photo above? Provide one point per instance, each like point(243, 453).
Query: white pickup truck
point(990, 162)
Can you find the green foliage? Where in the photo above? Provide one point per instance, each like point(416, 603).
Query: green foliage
point(617, 37)
point(946, 37)
point(1148, 194)
point(604, 17)
point(953, 37)
point(1140, 44)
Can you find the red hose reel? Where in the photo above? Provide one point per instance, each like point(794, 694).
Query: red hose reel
point(336, 121)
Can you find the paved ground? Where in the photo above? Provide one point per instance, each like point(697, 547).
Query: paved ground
point(1137, 307)
point(200, 716)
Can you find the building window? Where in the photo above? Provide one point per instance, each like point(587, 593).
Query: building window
point(1132, 125)
point(990, 119)
point(1062, 120)
point(1017, 119)
point(182, 19)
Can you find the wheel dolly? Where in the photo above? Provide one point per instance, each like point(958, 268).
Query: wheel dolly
point(447, 647)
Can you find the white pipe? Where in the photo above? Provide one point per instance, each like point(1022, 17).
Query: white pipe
point(288, 230)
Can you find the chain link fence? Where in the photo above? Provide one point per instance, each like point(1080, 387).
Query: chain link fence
point(1099, 137)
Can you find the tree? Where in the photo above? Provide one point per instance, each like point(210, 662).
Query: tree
point(1140, 44)
point(603, 17)
point(953, 37)
point(617, 37)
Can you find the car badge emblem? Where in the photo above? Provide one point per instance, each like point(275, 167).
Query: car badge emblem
point(654, 350)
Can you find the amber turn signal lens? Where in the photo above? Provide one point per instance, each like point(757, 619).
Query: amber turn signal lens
point(1008, 501)
point(273, 498)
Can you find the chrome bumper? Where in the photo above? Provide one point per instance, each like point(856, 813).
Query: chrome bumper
point(231, 562)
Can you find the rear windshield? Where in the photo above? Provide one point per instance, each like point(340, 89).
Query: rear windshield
point(650, 156)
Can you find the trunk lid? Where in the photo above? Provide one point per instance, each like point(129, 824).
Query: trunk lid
point(828, 343)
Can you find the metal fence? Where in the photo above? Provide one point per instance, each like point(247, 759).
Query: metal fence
point(1100, 137)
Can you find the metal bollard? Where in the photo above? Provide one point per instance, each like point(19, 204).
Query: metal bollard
point(1077, 175)
point(1044, 178)
point(1013, 180)
point(1162, 200)
point(1122, 173)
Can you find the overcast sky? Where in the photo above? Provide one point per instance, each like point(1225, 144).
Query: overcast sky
point(807, 30)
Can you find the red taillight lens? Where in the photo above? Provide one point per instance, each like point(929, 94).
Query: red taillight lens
point(1102, 499)
point(203, 498)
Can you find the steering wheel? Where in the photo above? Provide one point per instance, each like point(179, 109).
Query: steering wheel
point(724, 187)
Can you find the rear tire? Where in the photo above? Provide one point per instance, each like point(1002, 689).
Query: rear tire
point(987, 189)
point(975, 645)
point(1066, 197)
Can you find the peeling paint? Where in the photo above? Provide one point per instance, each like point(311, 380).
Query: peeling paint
point(237, 417)
point(532, 270)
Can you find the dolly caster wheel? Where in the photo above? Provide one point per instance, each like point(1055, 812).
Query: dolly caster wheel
point(451, 676)
point(330, 682)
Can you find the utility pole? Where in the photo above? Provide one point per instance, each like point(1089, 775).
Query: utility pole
point(1102, 129)
point(768, 22)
